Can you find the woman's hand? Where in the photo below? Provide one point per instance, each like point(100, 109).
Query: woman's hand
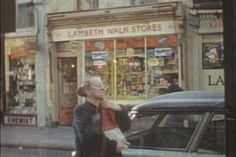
point(119, 147)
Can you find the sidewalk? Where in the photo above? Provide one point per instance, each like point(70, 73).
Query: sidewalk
point(61, 137)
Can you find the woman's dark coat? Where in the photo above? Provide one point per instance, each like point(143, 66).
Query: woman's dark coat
point(91, 142)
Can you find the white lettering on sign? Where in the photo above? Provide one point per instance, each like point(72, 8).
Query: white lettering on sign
point(161, 52)
point(215, 81)
point(99, 63)
point(99, 54)
point(20, 120)
point(151, 28)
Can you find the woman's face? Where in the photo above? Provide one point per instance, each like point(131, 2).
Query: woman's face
point(97, 89)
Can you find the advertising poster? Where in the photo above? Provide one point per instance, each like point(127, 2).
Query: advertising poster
point(213, 55)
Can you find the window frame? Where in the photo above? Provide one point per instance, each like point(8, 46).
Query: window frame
point(30, 28)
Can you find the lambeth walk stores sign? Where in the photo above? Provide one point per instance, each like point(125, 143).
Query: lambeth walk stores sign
point(29, 120)
point(112, 31)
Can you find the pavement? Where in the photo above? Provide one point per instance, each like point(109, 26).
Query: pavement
point(60, 137)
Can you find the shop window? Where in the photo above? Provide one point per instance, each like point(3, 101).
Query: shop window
point(213, 55)
point(99, 58)
point(22, 93)
point(20, 82)
point(130, 67)
point(162, 63)
point(124, 70)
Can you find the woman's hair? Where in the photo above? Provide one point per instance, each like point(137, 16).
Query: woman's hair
point(84, 88)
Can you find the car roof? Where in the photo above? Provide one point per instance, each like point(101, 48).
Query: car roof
point(184, 100)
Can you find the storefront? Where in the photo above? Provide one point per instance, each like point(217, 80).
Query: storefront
point(133, 49)
point(20, 81)
point(211, 31)
point(207, 56)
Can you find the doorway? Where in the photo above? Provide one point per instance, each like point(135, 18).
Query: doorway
point(67, 88)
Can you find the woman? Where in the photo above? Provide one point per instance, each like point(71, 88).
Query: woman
point(91, 141)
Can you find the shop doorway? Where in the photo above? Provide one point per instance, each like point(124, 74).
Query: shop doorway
point(67, 87)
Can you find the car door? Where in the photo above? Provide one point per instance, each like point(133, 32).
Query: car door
point(164, 135)
point(133, 152)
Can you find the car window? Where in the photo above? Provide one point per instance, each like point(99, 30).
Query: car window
point(173, 131)
point(141, 122)
point(213, 140)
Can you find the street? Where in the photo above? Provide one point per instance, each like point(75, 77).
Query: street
point(28, 152)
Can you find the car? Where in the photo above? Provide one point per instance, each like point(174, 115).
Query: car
point(179, 124)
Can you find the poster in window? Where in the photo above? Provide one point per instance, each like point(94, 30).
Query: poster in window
point(213, 55)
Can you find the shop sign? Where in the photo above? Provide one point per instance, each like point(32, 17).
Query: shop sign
point(99, 63)
point(163, 41)
point(20, 120)
point(99, 54)
point(19, 52)
point(23, 50)
point(101, 45)
point(213, 25)
point(156, 62)
point(213, 79)
point(75, 46)
point(130, 42)
point(151, 53)
point(111, 31)
point(163, 52)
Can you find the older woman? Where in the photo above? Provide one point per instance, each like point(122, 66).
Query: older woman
point(91, 141)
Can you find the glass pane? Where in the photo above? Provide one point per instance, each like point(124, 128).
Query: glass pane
point(68, 80)
point(130, 68)
point(99, 62)
point(25, 16)
point(67, 88)
point(22, 95)
point(213, 139)
point(162, 62)
point(175, 130)
point(141, 122)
